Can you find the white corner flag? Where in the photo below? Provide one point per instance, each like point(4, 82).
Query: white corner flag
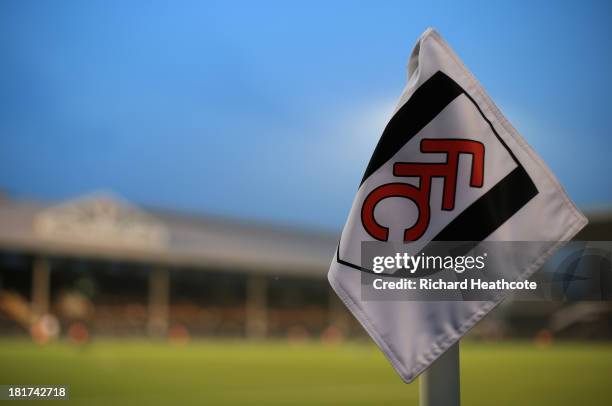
point(448, 167)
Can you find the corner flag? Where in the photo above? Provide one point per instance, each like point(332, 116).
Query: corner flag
point(448, 167)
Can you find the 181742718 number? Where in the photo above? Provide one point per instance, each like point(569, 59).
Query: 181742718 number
point(8, 392)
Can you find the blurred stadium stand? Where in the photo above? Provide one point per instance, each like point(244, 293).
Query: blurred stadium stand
point(100, 266)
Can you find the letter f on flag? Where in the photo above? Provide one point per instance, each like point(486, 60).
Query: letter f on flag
point(454, 162)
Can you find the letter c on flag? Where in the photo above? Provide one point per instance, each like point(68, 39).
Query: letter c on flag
point(405, 190)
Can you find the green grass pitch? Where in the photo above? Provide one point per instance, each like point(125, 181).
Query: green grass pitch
point(277, 373)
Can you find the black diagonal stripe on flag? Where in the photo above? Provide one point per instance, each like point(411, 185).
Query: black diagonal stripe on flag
point(422, 107)
point(492, 210)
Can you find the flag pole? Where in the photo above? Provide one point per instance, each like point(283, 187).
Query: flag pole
point(439, 384)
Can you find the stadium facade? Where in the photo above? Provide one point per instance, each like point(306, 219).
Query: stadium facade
point(126, 270)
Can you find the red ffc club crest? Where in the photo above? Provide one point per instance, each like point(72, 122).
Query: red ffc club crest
point(461, 204)
point(420, 195)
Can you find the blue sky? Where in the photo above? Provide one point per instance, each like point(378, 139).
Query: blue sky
point(270, 110)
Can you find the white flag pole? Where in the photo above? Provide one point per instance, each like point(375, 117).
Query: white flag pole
point(439, 384)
